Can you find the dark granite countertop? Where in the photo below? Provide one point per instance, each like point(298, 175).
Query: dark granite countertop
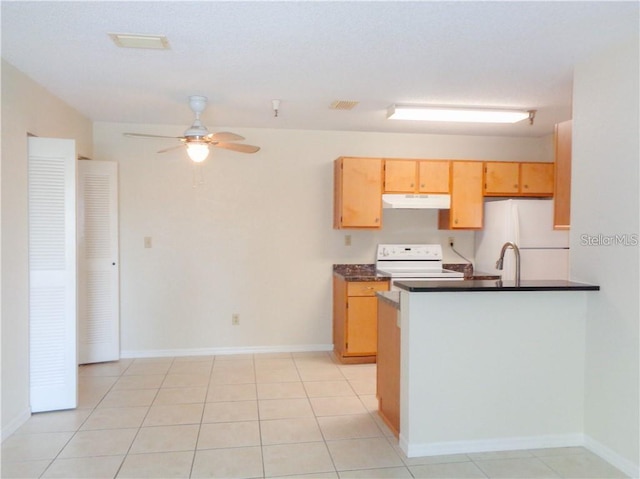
point(358, 272)
point(492, 286)
point(481, 275)
point(367, 272)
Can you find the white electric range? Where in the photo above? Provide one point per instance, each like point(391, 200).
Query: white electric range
point(422, 262)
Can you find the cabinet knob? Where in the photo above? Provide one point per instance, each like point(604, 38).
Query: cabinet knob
point(377, 220)
point(422, 185)
point(526, 186)
point(411, 185)
point(455, 221)
point(515, 186)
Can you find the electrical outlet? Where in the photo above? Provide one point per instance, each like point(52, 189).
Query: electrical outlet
point(147, 241)
point(451, 241)
point(235, 319)
point(347, 240)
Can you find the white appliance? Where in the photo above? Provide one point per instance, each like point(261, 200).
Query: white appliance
point(413, 261)
point(544, 252)
point(442, 202)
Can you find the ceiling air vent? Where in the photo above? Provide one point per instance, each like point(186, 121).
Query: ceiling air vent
point(131, 40)
point(344, 105)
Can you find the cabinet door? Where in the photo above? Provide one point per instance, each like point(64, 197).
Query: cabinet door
point(433, 176)
point(358, 194)
point(562, 193)
point(339, 314)
point(362, 325)
point(466, 195)
point(501, 178)
point(400, 176)
point(388, 369)
point(536, 179)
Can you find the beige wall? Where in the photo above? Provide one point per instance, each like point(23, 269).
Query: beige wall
point(26, 108)
point(605, 201)
point(256, 238)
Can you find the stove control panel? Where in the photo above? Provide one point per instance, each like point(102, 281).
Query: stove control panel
point(406, 252)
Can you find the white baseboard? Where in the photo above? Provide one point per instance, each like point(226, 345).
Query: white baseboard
point(15, 423)
point(489, 445)
point(157, 353)
point(612, 457)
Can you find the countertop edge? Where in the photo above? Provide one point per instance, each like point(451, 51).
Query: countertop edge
point(492, 286)
point(391, 297)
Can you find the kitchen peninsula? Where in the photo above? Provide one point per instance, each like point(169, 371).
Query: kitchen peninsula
point(483, 365)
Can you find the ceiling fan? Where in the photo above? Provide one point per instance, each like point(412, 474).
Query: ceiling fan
point(197, 138)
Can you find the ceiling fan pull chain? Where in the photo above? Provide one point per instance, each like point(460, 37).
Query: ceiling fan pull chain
point(198, 175)
point(201, 179)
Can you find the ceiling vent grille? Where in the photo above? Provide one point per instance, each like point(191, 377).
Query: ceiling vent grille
point(344, 105)
point(131, 40)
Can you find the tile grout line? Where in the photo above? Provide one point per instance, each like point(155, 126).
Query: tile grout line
point(255, 378)
point(315, 417)
point(204, 405)
point(57, 456)
point(126, 455)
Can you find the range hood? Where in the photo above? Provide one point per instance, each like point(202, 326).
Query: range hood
point(440, 202)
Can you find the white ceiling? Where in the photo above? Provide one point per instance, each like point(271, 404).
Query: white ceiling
point(241, 55)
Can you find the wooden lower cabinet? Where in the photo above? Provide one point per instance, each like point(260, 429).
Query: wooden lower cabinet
point(355, 319)
point(388, 367)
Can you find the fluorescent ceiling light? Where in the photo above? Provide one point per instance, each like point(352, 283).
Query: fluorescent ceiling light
point(459, 114)
point(131, 40)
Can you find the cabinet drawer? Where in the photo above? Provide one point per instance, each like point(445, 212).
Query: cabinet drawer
point(366, 288)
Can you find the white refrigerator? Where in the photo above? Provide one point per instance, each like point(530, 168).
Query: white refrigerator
point(544, 252)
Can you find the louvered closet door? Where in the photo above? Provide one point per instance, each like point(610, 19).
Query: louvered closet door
point(98, 267)
point(52, 274)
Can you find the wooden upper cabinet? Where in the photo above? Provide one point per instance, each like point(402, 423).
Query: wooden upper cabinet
point(400, 176)
point(501, 178)
point(357, 193)
point(467, 201)
point(433, 176)
point(416, 176)
point(510, 178)
point(536, 179)
point(562, 196)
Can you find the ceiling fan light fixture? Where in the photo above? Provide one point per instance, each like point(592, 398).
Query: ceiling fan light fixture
point(457, 114)
point(197, 151)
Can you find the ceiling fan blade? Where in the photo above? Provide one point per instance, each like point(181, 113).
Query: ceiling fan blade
point(237, 147)
point(142, 135)
point(170, 148)
point(225, 136)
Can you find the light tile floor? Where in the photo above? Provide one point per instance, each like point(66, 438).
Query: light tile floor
point(246, 416)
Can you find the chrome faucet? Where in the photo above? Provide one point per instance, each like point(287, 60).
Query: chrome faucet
point(516, 251)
